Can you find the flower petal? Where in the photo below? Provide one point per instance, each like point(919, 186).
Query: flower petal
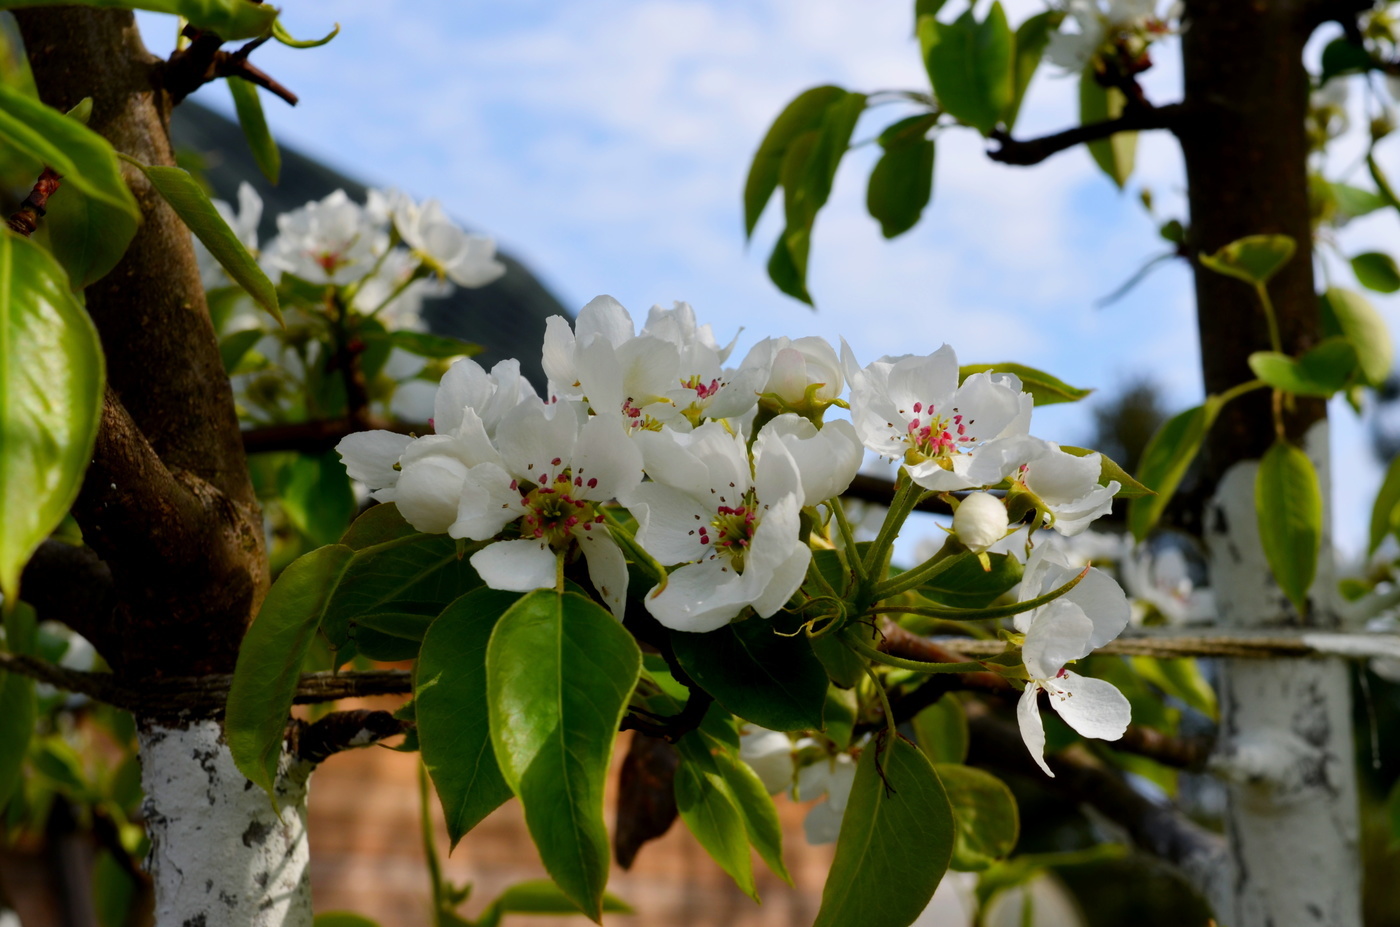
point(428, 492)
point(370, 456)
point(1058, 633)
point(607, 567)
point(516, 566)
point(605, 464)
point(1032, 728)
point(1092, 707)
point(487, 503)
point(699, 597)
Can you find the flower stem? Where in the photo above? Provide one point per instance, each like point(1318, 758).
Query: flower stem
point(1269, 315)
point(850, 552)
point(884, 701)
point(905, 498)
point(914, 666)
point(917, 576)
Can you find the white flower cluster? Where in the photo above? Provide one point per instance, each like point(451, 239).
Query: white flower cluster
point(339, 242)
point(1133, 22)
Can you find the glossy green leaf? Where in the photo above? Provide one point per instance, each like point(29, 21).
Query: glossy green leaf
point(1110, 470)
point(194, 207)
point(1383, 511)
point(967, 585)
point(1116, 154)
point(901, 183)
point(1376, 271)
point(429, 345)
point(559, 672)
point(254, 124)
point(51, 374)
point(1350, 314)
point(970, 65)
point(843, 666)
point(765, 831)
point(840, 713)
point(763, 677)
point(1165, 461)
point(984, 810)
point(896, 841)
point(454, 729)
point(804, 114)
point(280, 33)
point(941, 731)
point(1321, 372)
point(92, 216)
point(395, 569)
point(17, 715)
point(270, 658)
point(711, 812)
point(1353, 202)
point(1044, 389)
point(1031, 38)
point(1288, 500)
point(1254, 259)
point(231, 19)
point(1383, 187)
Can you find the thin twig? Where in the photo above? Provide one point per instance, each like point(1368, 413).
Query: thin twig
point(26, 219)
point(1035, 150)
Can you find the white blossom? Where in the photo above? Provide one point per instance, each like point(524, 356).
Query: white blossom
point(769, 755)
point(334, 240)
point(799, 372)
point(1069, 487)
point(949, 437)
point(468, 260)
point(833, 777)
point(980, 521)
point(1071, 627)
point(391, 297)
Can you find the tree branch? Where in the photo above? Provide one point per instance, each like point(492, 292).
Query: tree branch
point(1135, 119)
point(319, 436)
point(203, 61)
point(26, 218)
point(345, 730)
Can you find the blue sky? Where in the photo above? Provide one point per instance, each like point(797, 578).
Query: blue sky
point(606, 144)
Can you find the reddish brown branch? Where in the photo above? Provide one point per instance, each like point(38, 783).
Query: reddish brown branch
point(320, 436)
point(345, 730)
point(26, 218)
point(1033, 151)
point(203, 61)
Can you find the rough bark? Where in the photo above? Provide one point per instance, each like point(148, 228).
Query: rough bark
point(167, 501)
point(1285, 739)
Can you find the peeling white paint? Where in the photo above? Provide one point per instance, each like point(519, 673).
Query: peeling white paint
point(1285, 746)
point(219, 853)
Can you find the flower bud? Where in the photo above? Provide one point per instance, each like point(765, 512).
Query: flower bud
point(980, 521)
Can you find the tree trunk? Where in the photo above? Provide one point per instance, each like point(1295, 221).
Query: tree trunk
point(220, 853)
point(1285, 747)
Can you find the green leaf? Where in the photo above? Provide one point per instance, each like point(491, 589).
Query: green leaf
point(342, 919)
point(394, 567)
point(967, 585)
point(254, 124)
point(1342, 57)
point(51, 374)
point(1322, 371)
point(1165, 461)
point(540, 896)
point(93, 215)
point(1254, 259)
point(711, 812)
point(1110, 470)
point(1116, 154)
point(113, 891)
point(941, 731)
point(1352, 315)
point(901, 183)
point(804, 114)
point(1383, 512)
point(765, 831)
point(559, 671)
point(454, 729)
point(1376, 271)
point(233, 348)
point(774, 681)
point(425, 344)
point(1353, 202)
point(270, 658)
point(231, 19)
point(1180, 677)
point(1289, 503)
point(280, 33)
point(984, 810)
point(316, 496)
point(896, 841)
point(970, 65)
point(192, 204)
point(1031, 38)
point(17, 716)
point(1044, 389)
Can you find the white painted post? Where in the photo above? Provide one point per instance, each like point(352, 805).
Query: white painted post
point(220, 855)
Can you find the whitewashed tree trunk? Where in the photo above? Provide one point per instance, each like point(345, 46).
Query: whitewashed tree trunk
point(1285, 748)
point(220, 855)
